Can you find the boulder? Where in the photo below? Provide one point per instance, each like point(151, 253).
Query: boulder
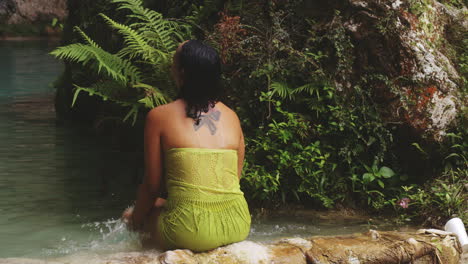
point(424, 246)
point(7, 9)
point(409, 50)
point(31, 11)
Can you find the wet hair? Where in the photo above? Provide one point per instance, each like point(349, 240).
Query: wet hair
point(201, 88)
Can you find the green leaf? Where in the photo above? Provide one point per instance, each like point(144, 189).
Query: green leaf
point(418, 147)
point(439, 247)
point(367, 167)
point(368, 177)
point(282, 90)
point(381, 184)
point(147, 102)
point(386, 172)
point(377, 192)
point(452, 155)
point(54, 22)
point(75, 95)
point(118, 69)
point(132, 113)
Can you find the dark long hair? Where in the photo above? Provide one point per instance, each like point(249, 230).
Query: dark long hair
point(201, 87)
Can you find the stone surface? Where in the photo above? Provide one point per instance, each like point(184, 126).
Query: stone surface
point(389, 247)
point(31, 11)
point(7, 8)
point(424, 246)
point(409, 44)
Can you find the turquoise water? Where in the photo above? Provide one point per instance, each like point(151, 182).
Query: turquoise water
point(58, 184)
point(62, 188)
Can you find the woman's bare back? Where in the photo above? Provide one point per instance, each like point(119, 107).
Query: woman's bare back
point(219, 128)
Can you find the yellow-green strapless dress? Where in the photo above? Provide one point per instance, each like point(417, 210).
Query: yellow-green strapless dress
point(205, 207)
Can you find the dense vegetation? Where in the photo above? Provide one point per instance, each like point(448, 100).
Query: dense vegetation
point(309, 139)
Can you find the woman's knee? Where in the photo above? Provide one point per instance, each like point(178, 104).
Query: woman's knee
point(160, 202)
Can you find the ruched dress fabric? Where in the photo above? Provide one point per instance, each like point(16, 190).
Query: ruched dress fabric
point(205, 207)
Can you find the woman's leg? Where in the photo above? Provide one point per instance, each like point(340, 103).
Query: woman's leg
point(152, 237)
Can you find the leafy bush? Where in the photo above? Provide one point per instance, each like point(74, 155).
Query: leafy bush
point(283, 161)
point(445, 196)
point(134, 76)
point(306, 137)
point(314, 130)
point(371, 184)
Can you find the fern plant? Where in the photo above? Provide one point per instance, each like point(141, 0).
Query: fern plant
point(134, 76)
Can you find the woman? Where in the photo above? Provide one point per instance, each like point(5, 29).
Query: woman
point(195, 146)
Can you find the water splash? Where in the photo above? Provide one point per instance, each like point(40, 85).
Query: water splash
point(110, 236)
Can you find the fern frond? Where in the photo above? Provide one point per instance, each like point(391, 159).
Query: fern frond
point(153, 96)
point(136, 44)
point(134, 107)
point(115, 67)
point(148, 44)
point(112, 90)
point(152, 21)
point(92, 91)
point(86, 37)
point(307, 88)
point(133, 113)
point(282, 90)
point(74, 52)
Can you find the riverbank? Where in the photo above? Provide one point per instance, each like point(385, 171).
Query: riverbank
point(29, 38)
point(27, 32)
point(424, 246)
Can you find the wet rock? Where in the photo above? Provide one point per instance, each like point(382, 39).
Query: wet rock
point(31, 11)
point(425, 246)
point(407, 44)
point(26, 261)
point(374, 234)
point(7, 9)
point(177, 256)
point(390, 247)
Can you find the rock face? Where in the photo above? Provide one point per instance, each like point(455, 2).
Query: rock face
point(31, 11)
point(372, 247)
point(410, 47)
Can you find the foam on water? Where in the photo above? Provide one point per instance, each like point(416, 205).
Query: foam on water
point(249, 252)
point(109, 236)
point(114, 244)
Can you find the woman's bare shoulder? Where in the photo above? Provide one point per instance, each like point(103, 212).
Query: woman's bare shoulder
point(163, 110)
point(229, 114)
point(224, 108)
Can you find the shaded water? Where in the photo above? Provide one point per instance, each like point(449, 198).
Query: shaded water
point(61, 188)
point(54, 180)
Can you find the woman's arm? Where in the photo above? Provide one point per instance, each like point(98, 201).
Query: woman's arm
point(150, 189)
point(240, 155)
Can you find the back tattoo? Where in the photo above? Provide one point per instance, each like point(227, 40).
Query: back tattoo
point(208, 119)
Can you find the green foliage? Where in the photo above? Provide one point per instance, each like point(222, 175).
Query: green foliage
point(438, 201)
point(315, 134)
point(131, 76)
point(418, 7)
point(116, 68)
point(56, 23)
point(371, 184)
point(283, 91)
point(455, 3)
point(456, 151)
point(292, 164)
point(445, 196)
point(315, 131)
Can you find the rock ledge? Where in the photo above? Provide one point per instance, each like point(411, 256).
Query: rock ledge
point(424, 246)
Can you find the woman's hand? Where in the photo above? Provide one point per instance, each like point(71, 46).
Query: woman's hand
point(127, 217)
